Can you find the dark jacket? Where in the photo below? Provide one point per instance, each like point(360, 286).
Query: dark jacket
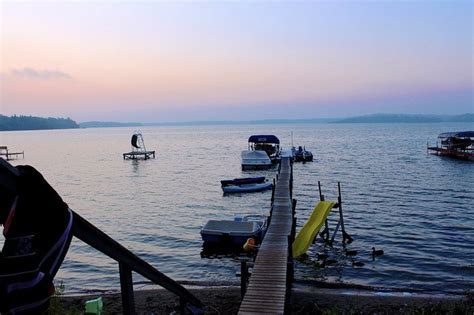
point(38, 231)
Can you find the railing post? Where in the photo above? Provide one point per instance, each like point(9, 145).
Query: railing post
point(126, 286)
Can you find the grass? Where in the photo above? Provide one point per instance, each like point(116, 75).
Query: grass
point(56, 307)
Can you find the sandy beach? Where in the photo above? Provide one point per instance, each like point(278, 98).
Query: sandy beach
point(226, 300)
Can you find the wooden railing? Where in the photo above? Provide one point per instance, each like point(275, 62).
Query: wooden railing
point(127, 261)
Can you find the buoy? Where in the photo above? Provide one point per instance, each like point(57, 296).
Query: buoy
point(249, 245)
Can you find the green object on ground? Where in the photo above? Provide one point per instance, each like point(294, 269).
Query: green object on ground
point(311, 228)
point(94, 306)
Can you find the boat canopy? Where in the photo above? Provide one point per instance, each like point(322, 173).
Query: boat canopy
point(264, 139)
point(458, 134)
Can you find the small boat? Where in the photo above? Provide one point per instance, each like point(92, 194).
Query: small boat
point(302, 155)
point(243, 181)
point(455, 144)
point(230, 232)
point(235, 232)
point(247, 187)
point(263, 151)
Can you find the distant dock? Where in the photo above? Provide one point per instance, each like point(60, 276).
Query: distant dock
point(10, 155)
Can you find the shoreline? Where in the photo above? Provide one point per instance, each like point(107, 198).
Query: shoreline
point(300, 284)
point(304, 300)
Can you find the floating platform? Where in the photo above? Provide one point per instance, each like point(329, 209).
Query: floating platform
point(139, 151)
point(10, 155)
point(145, 155)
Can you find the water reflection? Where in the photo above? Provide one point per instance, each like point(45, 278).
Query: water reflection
point(135, 166)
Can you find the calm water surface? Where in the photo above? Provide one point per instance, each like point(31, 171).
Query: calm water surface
point(415, 206)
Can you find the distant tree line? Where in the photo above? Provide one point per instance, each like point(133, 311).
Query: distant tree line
point(35, 123)
point(108, 124)
point(404, 118)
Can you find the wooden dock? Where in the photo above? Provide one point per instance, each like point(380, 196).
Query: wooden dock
point(10, 155)
point(269, 286)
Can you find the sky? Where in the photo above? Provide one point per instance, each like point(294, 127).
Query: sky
point(155, 61)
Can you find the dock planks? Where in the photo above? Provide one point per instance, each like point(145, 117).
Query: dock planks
point(268, 286)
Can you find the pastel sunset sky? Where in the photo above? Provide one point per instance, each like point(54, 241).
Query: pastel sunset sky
point(176, 61)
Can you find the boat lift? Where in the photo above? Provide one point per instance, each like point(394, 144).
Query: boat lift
point(138, 149)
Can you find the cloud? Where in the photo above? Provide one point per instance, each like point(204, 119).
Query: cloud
point(31, 73)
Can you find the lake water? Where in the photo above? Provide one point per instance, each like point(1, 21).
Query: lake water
point(417, 207)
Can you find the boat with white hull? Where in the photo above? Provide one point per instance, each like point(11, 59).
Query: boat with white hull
point(255, 160)
point(263, 151)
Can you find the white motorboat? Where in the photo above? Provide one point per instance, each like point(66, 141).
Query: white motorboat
point(263, 151)
point(252, 160)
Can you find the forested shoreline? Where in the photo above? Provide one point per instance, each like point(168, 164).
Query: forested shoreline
point(15, 122)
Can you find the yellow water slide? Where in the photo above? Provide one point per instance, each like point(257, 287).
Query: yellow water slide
point(311, 228)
